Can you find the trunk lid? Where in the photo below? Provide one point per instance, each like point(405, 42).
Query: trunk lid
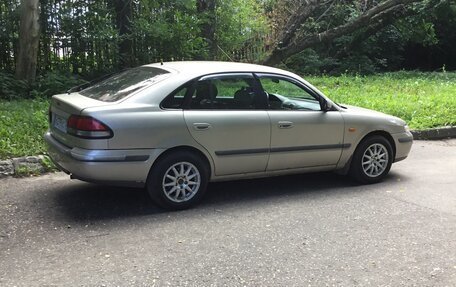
point(74, 103)
point(62, 107)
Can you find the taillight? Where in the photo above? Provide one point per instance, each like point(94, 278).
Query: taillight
point(87, 127)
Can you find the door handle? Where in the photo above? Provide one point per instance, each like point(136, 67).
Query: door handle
point(285, 125)
point(201, 126)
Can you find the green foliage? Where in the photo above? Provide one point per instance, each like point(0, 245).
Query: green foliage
point(53, 83)
point(46, 85)
point(424, 100)
point(166, 30)
point(48, 164)
point(10, 88)
point(309, 62)
point(23, 171)
point(81, 37)
point(9, 26)
point(238, 21)
point(22, 125)
point(419, 35)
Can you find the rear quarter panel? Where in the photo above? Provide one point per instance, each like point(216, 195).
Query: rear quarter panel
point(143, 126)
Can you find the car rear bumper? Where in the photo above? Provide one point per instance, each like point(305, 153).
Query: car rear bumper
point(126, 167)
point(403, 142)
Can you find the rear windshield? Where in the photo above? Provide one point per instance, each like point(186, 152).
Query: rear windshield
point(124, 83)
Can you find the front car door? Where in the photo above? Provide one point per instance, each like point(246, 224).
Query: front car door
point(226, 114)
point(302, 135)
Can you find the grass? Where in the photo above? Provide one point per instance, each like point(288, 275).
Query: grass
point(424, 100)
point(22, 125)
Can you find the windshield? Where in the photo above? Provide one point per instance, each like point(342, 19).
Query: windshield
point(124, 83)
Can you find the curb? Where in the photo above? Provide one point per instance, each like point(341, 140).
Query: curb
point(36, 165)
point(26, 166)
point(435, 134)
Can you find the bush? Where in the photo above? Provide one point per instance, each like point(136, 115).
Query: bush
point(10, 88)
point(310, 62)
point(357, 64)
point(53, 83)
point(45, 86)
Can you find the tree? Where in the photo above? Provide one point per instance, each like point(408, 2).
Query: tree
point(29, 34)
point(206, 10)
point(293, 37)
point(241, 26)
point(124, 17)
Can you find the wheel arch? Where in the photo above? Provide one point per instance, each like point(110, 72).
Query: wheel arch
point(384, 134)
point(185, 148)
point(355, 165)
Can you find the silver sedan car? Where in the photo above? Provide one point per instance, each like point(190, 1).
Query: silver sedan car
point(173, 127)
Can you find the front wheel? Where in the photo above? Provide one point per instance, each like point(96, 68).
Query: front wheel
point(372, 160)
point(178, 181)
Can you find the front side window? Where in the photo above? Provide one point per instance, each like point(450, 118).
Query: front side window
point(226, 93)
point(286, 95)
point(124, 83)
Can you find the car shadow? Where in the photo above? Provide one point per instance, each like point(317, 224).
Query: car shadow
point(275, 187)
point(89, 202)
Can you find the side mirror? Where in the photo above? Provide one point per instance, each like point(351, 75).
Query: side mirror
point(325, 105)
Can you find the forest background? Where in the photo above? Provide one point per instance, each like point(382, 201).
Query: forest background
point(49, 44)
point(395, 56)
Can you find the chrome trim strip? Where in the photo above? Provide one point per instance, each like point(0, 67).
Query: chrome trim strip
point(309, 147)
point(105, 156)
point(281, 149)
point(242, 151)
point(95, 155)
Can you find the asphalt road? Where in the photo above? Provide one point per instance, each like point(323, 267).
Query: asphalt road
point(316, 229)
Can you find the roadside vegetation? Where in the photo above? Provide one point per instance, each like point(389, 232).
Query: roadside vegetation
point(424, 100)
point(22, 125)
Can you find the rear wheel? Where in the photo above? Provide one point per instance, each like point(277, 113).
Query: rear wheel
point(178, 181)
point(372, 160)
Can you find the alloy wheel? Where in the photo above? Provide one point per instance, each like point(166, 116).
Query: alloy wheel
point(375, 160)
point(181, 182)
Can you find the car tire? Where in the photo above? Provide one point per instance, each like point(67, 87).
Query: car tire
point(178, 180)
point(372, 160)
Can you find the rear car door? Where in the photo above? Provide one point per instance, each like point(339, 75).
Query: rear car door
point(302, 135)
point(226, 114)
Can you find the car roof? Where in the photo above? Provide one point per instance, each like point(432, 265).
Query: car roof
point(185, 71)
point(199, 68)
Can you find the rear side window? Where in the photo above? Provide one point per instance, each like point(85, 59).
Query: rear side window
point(124, 83)
point(176, 99)
point(235, 92)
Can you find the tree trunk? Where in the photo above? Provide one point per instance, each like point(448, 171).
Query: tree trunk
point(29, 35)
point(296, 43)
point(124, 16)
point(206, 8)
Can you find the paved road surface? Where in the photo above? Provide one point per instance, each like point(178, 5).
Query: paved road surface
point(319, 229)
